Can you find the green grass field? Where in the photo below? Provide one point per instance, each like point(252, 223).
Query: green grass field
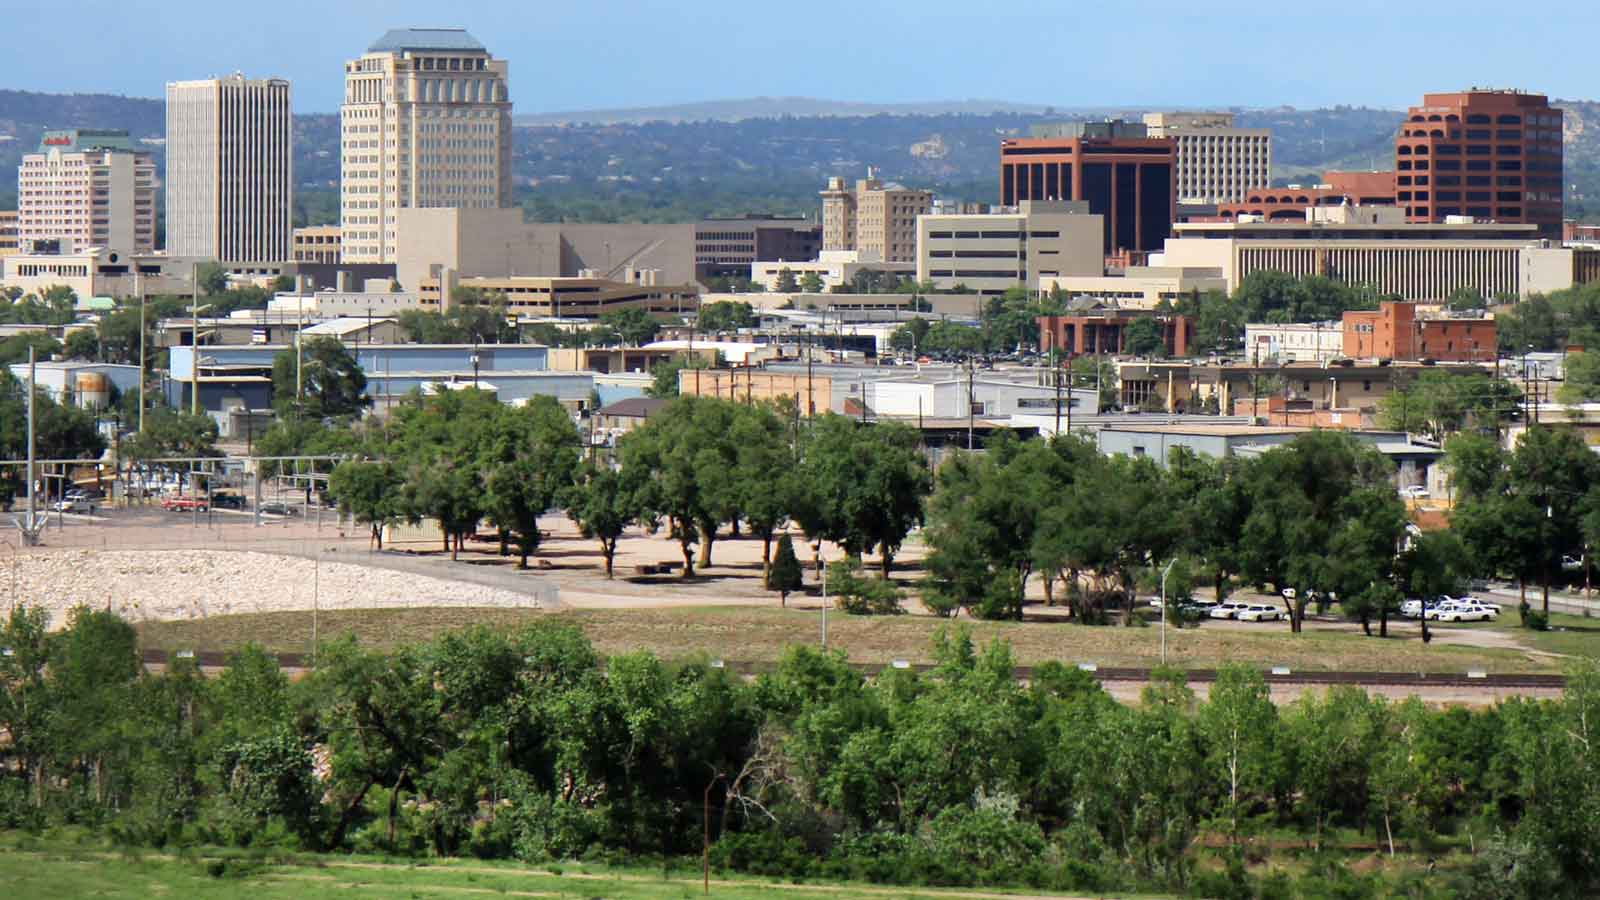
point(1568, 635)
point(49, 869)
point(756, 635)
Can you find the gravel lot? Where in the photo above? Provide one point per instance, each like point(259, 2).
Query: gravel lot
point(187, 584)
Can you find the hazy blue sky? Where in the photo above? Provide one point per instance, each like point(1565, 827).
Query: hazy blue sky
point(601, 53)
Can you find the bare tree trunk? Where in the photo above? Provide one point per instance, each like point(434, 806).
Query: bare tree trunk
point(688, 557)
point(766, 558)
point(886, 558)
point(608, 549)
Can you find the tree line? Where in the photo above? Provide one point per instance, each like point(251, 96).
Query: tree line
point(528, 746)
point(699, 468)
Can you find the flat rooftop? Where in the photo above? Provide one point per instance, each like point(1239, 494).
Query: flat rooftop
point(1212, 430)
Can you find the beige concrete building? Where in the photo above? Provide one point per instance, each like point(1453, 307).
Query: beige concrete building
point(1140, 287)
point(875, 219)
point(835, 268)
point(1217, 162)
point(1422, 262)
point(317, 244)
point(230, 169)
point(1294, 342)
point(991, 253)
point(569, 298)
point(426, 122)
point(8, 232)
point(99, 272)
point(497, 243)
point(86, 189)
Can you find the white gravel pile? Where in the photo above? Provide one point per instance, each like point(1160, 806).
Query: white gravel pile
point(190, 584)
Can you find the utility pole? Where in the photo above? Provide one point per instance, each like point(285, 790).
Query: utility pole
point(139, 281)
point(1058, 390)
point(194, 339)
point(29, 535)
point(970, 415)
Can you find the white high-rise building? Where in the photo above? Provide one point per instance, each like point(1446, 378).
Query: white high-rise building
point(1217, 162)
point(426, 122)
point(230, 169)
point(85, 189)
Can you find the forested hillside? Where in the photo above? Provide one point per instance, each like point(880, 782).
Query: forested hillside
point(675, 169)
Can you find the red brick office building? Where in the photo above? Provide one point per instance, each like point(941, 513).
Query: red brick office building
point(1486, 154)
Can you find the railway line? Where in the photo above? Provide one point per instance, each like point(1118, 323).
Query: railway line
point(1118, 680)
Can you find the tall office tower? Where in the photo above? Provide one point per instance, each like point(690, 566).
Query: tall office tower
point(230, 169)
point(1217, 162)
point(1124, 174)
point(878, 220)
point(1482, 153)
point(426, 122)
point(87, 189)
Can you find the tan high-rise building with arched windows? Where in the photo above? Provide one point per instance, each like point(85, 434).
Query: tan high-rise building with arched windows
point(426, 122)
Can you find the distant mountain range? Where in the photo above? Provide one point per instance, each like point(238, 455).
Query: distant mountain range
point(775, 107)
point(769, 153)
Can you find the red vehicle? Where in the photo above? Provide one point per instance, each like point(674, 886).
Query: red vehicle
point(183, 504)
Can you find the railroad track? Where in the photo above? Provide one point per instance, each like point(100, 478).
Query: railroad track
point(1278, 675)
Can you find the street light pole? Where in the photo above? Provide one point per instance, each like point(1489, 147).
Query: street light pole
point(824, 604)
point(1164, 573)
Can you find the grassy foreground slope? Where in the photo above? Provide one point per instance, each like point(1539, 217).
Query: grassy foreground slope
point(46, 869)
point(760, 635)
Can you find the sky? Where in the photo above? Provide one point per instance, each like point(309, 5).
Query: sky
point(594, 54)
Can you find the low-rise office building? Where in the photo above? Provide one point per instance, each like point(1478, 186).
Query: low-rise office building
point(316, 244)
point(99, 272)
point(1139, 287)
point(1399, 331)
point(1293, 342)
point(580, 298)
point(833, 268)
point(1289, 204)
point(728, 245)
point(497, 243)
point(1414, 262)
point(990, 254)
point(1105, 331)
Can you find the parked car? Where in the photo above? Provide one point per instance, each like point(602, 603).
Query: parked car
point(1572, 563)
point(1468, 611)
point(1444, 605)
point(88, 494)
point(1413, 609)
point(179, 503)
point(1227, 610)
point(71, 505)
point(227, 501)
point(276, 508)
point(1414, 492)
point(1259, 612)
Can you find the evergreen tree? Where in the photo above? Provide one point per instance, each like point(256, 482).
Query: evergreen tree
point(785, 575)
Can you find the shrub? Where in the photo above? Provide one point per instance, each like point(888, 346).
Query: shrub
point(862, 595)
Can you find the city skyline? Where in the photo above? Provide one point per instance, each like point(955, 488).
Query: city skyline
point(572, 58)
